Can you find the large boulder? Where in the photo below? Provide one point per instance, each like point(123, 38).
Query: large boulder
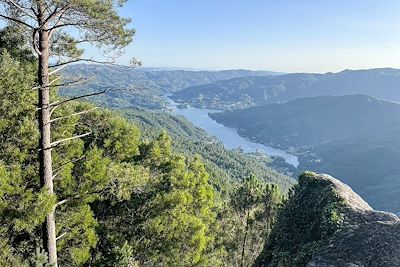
point(325, 223)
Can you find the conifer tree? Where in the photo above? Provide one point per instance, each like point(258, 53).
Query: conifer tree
point(256, 204)
point(56, 28)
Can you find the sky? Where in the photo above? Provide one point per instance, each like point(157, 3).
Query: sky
point(279, 35)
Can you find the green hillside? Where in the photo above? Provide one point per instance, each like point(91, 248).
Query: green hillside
point(249, 91)
point(351, 137)
point(140, 87)
point(226, 165)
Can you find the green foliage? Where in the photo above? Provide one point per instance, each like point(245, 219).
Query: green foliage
point(223, 165)
point(172, 215)
point(13, 40)
point(248, 219)
point(339, 135)
point(120, 200)
point(310, 217)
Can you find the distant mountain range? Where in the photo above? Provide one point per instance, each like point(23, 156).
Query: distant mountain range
point(141, 87)
point(355, 137)
point(250, 91)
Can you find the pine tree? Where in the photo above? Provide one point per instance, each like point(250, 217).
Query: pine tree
point(256, 204)
point(51, 25)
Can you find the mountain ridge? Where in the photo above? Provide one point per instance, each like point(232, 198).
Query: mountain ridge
point(249, 91)
point(353, 137)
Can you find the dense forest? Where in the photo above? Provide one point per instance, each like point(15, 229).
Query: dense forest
point(127, 194)
point(95, 169)
point(119, 198)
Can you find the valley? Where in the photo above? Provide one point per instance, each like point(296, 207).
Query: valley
point(199, 133)
point(339, 135)
point(353, 137)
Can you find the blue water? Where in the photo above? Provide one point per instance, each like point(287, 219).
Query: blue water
point(228, 136)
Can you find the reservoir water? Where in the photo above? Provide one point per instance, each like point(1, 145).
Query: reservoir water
point(228, 136)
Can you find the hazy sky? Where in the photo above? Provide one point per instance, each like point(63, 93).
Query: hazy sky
point(280, 35)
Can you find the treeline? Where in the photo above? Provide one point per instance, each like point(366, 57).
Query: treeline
point(120, 200)
point(226, 166)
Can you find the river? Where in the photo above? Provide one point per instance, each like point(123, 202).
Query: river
point(228, 136)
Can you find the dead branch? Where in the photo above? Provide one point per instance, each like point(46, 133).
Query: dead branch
point(21, 8)
point(78, 81)
point(16, 20)
point(68, 139)
point(68, 162)
point(57, 103)
point(80, 60)
point(60, 236)
point(72, 115)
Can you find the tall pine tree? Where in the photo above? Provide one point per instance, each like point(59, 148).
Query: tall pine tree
point(56, 28)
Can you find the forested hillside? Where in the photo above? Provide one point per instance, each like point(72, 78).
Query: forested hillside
point(125, 192)
point(140, 87)
point(249, 91)
point(120, 199)
point(353, 137)
point(228, 165)
point(97, 170)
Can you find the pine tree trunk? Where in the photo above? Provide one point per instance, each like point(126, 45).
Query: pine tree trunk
point(46, 171)
point(245, 239)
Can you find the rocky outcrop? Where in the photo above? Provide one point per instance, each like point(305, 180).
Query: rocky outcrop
point(339, 229)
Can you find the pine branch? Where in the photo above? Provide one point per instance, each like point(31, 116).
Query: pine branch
point(80, 60)
point(72, 115)
point(60, 236)
point(68, 139)
point(65, 163)
point(57, 103)
point(79, 81)
point(16, 20)
point(21, 8)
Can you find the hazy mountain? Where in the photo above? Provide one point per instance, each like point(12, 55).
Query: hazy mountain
point(314, 120)
point(249, 91)
point(140, 87)
point(354, 137)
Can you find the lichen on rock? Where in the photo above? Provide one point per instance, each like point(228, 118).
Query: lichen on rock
point(325, 223)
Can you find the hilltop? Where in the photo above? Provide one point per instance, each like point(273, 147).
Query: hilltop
point(141, 87)
point(353, 137)
point(250, 91)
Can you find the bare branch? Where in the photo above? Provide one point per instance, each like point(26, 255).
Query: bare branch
point(82, 59)
point(72, 115)
point(56, 70)
point(64, 25)
point(60, 15)
point(55, 80)
point(79, 81)
point(67, 200)
point(52, 110)
point(21, 8)
point(60, 236)
point(34, 11)
point(50, 83)
point(63, 202)
point(16, 20)
point(68, 162)
point(34, 46)
point(57, 103)
point(69, 138)
point(83, 41)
